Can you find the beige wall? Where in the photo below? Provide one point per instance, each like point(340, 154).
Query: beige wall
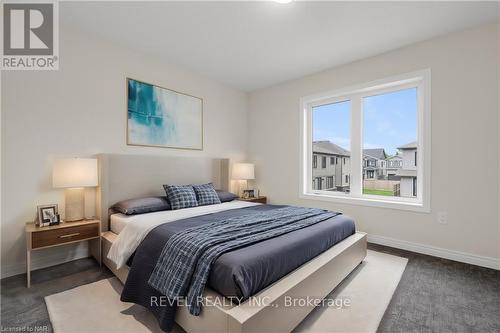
point(81, 110)
point(464, 119)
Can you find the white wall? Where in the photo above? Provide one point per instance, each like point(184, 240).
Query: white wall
point(81, 110)
point(464, 123)
point(498, 138)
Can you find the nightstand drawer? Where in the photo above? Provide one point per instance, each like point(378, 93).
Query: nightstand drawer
point(64, 235)
point(261, 199)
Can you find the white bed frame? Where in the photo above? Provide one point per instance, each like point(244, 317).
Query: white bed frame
point(127, 176)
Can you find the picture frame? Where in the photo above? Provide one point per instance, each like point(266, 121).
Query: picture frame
point(247, 194)
point(163, 117)
point(48, 215)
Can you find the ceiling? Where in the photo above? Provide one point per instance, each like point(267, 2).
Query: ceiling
point(252, 45)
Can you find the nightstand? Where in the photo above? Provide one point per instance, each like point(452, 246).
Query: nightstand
point(261, 199)
point(38, 238)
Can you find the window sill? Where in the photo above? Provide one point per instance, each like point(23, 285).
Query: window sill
point(369, 202)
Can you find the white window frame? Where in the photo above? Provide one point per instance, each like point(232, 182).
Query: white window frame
point(419, 79)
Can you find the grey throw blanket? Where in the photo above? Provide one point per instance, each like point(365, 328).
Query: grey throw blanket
point(184, 263)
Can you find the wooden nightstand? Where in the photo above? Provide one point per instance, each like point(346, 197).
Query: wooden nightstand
point(38, 238)
point(262, 200)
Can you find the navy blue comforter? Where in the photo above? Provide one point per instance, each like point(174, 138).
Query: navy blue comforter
point(237, 274)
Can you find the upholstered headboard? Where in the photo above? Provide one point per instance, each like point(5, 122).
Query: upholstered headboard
point(130, 176)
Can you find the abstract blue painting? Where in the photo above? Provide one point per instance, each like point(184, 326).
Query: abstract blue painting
point(162, 117)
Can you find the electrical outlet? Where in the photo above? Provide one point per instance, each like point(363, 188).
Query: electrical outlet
point(442, 218)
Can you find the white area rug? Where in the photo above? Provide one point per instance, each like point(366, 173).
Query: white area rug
point(96, 307)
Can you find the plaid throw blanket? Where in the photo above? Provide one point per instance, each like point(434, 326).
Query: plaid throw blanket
point(184, 263)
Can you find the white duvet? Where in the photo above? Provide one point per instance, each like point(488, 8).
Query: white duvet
point(140, 225)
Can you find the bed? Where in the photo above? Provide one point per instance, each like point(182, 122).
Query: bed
point(128, 176)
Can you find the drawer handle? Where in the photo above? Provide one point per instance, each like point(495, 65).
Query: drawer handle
point(69, 235)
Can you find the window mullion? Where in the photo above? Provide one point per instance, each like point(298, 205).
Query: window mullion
point(356, 142)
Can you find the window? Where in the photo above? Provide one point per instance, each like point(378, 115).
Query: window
point(315, 161)
point(329, 182)
point(331, 122)
point(323, 162)
point(390, 128)
point(379, 131)
point(394, 164)
point(318, 183)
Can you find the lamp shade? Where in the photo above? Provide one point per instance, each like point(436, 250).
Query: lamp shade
point(74, 172)
point(243, 171)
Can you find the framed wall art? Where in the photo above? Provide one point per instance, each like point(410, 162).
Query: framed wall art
point(162, 117)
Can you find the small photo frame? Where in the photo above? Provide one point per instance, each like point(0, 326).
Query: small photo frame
point(247, 194)
point(48, 215)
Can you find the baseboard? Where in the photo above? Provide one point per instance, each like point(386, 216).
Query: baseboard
point(46, 260)
point(436, 251)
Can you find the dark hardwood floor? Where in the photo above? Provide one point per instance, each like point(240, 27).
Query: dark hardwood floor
point(434, 295)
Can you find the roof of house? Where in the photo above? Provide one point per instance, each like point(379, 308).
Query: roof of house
point(378, 153)
point(394, 156)
point(411, 145)
point(327, 147)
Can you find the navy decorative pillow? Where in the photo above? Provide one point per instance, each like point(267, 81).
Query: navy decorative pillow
point(226, 196)
point(180, 196)
point(141, 205)
point(206, 194)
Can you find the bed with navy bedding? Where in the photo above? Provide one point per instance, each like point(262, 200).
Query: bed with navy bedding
point(241, 272)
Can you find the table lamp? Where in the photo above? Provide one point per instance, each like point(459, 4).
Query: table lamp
point(74, 174)
point(243, 172)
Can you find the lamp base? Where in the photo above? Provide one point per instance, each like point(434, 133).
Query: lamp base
point(243, 185)
point(74, 204)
